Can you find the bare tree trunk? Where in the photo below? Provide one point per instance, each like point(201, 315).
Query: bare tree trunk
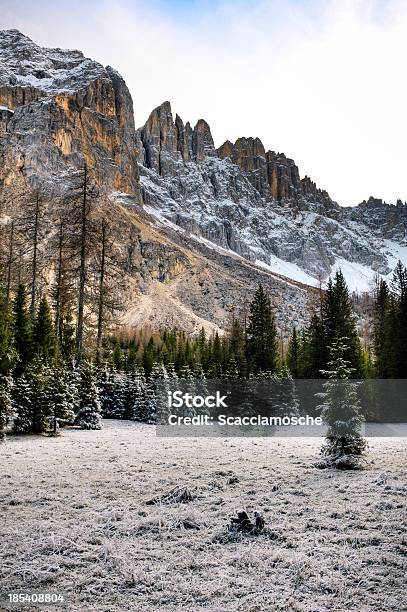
point(10, 263)
point(59, 283)
point(20, 265)
point(101, 288)
point(82, 271)
point(35, 253)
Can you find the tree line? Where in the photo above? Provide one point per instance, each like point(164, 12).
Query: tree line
point(60, 363)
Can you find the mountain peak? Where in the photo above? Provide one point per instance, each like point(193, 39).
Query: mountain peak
point(49, 71)
point(165, 144)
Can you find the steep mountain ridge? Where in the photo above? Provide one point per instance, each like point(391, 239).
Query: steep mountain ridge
point(59, 108)
point(254, 203)
point(197, 227)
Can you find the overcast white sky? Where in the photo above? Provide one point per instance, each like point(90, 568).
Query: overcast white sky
point(324, 81)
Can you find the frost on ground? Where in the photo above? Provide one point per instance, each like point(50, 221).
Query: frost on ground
point(74, 518)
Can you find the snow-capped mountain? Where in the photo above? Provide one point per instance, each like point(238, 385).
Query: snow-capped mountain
point(198, 227)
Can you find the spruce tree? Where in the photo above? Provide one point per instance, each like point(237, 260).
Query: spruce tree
point(7, 358)
point(60, 399)
point(22, 330)
point(23, 402)
point(262, 333)
point(399, 286)
point(140, 402)
point(7, 353)
point(341, 412)
point(88, 416)
point(284, 393)
point(67, 338)
point(44, 335)
point(39, 377)
point(158, 372)
point(339, 322)
point(217, 357)
point(185, 373)
point(293, 355)
point(237, 346)
point(313, 350)
point(147, 412)
point(108, 392)
point(381, 329)
point(171, 373)
point(128, 393)
point(6, 406)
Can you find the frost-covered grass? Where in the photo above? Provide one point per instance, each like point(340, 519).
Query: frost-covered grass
point(74, 516)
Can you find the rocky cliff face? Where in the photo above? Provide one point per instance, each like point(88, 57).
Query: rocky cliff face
point(63, 109)
point(58, 110)
point(254, 203)
point(166, 145)
point(214, 222)
point(275, 176)
point(387, 220)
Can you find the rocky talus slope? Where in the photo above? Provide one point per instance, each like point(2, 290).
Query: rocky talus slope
point(196, 228)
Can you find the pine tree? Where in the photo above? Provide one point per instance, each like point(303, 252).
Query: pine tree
point(140, 402)
point(44, 336)
point(262, 333)
point(108, 392)
point(382, 330)
point(7, 353)
point(23, 403)
point(22, 330)
point(341, 411)
point(6, 406)
point(399, 286)
point(339, 322)
point(313, 349)
point(7, 358)
point(284, 393)
point(88, 416)
point(293, 355)
point(60, 399)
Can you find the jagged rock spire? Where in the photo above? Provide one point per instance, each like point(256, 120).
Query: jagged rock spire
point(273, 174)
point(165, 143)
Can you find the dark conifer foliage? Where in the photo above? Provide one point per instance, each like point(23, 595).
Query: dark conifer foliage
point(293, 355)
point(261, 345)
point(22, 330)
point(44, 339)
point(341, 411)
point(339, 321)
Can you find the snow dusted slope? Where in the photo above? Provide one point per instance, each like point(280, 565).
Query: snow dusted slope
point(214, 200)
point(51, 71)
